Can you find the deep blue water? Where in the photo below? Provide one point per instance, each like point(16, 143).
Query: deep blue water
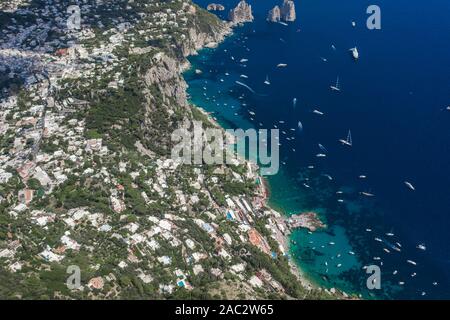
point(392, 99)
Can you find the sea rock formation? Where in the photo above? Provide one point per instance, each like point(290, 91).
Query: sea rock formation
point(215, 7)
point(288, 10)
point(308, 220)
point(241, 14)
point(274, 14)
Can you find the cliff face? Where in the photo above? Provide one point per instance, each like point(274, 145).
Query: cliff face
point(288, 10)
point(274, 14)
point(241, 14)
point(215, 7)
point(165, 77)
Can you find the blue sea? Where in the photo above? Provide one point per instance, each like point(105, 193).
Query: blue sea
point(393, 99)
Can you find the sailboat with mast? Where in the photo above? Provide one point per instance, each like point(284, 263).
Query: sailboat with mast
point(348, 141)
point(336, 86)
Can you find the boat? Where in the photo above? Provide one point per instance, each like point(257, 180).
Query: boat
point(351, 253)
point(353, 24)
point(411, 262)
point(324, 59)
point(320, 113)
point(367, 194)
point(243, 60)
point(294, 102)
point(322, 148)
point(281, 65)
point(355, 53)
point(300, 126)
point(267, 80)
point(321, 155)
point(244, 76)
point(410, 186)
point(386, 250)
point(283, 23)
point(336, 86)
point(348, 141)
point(421, 247)
point(389, 234)
point(395, 272)
point(333, 47)
point(378, 239)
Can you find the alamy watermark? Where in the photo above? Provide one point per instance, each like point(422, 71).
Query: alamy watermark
point(374, 20)
point(198, 145)
point(374, 280)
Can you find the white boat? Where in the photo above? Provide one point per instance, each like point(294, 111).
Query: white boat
point(351, 253)
point(411, 262)
point(355, 53)
point(244, 76)
point(353, 24)
point(333, 47)
point(281, 65)
point(410, 186)
point(348, 141)
point(386, 250)
point(421, 247)
point(390, 234)
point(322, 148)
point(395, 272)
point(267, 80)
point(367, 194)
point(300, 126)
point(294, 102)
point(283, 23)
point(321, 155)
point(324, 59)
point(336, 86)
point(378, 239)
point(362, 176)
point(243, 60)
point(320, 113)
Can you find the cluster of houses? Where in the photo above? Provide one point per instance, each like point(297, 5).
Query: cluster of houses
point(44, 145)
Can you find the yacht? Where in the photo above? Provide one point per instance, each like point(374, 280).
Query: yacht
point(267, 80)
point(355, 53)
point(421, 247)
point(410, 186)
point(320, 113)
point(336, 86)
point(411, 262)
point(348, 141)
point(281, 65)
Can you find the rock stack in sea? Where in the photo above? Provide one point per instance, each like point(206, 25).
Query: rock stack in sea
point(215, 7)
point(241, 14)
point(288, 10)
point(274, 14)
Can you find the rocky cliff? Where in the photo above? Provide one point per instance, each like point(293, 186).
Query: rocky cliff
point(241, 14)
point(288, 10)
point(274, 14)
point(215, 7)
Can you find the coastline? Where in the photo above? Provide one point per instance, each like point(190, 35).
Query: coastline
point(284, 242)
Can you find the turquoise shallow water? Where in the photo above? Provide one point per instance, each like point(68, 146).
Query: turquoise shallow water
point(392, 99)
